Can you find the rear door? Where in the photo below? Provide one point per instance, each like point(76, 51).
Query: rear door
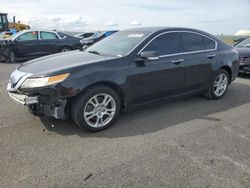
point(49, 43)
point(200, 55)
point(26, 45)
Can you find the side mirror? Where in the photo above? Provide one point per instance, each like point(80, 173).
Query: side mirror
point(149, 55)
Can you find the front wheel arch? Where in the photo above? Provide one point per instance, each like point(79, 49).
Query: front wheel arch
point(81, 99)
point(111, 85)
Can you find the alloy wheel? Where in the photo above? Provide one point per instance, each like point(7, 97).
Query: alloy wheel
point(65, 50)
point(220, 84)
point(99, 110)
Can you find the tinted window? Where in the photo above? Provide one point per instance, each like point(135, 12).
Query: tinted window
point(193, 42)
point(166, 44)
point(209, 44)
point(28, 36)
point(48, 35)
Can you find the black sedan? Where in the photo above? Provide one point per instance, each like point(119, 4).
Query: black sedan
point(129, 69)
point(30, 44)
point(243, 48)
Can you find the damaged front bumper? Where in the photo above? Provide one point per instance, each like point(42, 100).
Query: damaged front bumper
point(45, 101)
point(39, 107)
point(24, 99)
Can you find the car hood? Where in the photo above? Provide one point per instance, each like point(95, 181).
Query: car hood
point(60, 62)
point(243, 51)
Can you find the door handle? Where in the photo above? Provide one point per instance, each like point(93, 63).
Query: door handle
point(211, 56)
point(178, 61)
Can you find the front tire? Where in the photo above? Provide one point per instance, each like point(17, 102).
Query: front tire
point(96, 109)
point(12, 57)
point(218, 85)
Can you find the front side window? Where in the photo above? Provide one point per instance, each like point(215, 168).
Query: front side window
point(48, 35)
point(28, 36)
point(166, 44)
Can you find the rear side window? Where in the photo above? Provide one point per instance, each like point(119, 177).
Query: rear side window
point(166, 44)
point(48, 35)
point(194, 42)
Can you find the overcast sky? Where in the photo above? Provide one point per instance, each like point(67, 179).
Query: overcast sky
point(214, 16)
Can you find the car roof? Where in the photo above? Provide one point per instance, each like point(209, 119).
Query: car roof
point(30, 30)
point(156, 29)
point(146, 29)
point(161, 28)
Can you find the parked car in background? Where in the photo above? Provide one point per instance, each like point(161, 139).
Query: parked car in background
point(29, 44)
point(129, 69)
point(236, 41)
point(243, 48)
point(95, 37)
point(84, 35)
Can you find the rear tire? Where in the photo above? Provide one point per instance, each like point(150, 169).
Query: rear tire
point(218, 85)
point(96, 109)
point(65, 49)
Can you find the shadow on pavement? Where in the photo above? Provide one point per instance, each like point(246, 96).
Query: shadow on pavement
point(157, 117)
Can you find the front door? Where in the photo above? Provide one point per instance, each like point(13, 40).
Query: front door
point(158, 78)
point(26, 45)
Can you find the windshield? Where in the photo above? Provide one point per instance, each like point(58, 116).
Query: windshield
point(118, 44)
point(244, 43)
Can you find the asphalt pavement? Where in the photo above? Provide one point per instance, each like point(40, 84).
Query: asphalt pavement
point(191, 142)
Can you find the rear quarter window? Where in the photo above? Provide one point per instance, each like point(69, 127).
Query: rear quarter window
point(209, 44)
point(195, 42)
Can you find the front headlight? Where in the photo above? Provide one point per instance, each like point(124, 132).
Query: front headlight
point(45, 81)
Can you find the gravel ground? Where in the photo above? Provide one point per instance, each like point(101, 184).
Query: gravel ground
point(192, 142)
